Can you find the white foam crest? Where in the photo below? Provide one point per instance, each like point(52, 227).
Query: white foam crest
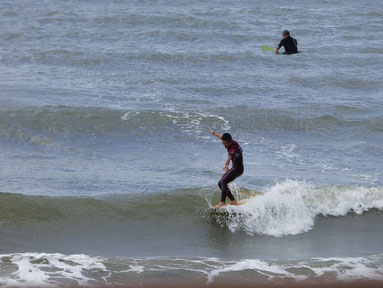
point(137, 268)
point(189, 121)
point(349, 269)
point(291, 207)
point(261, 267)
point(128, 115)
point(42, 269)
point(195, 120)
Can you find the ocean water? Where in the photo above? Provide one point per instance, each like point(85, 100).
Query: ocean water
point(108, 168)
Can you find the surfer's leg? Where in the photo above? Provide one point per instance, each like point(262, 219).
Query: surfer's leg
point(228, 193)
point(223, 184)
point(220, 181)
point(223, 194)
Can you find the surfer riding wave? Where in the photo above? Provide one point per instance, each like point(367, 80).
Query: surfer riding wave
point(236, 157)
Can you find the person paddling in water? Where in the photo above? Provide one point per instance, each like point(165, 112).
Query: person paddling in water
point(235, 155)
point(290, 44)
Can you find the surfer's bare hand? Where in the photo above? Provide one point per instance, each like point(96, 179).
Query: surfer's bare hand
point(212, 132)
point(225, 168)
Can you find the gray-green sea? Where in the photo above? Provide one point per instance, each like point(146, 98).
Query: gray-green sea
point(108, 168)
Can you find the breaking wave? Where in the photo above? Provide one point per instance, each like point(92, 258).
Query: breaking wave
point(291, 207)
point(287, 208)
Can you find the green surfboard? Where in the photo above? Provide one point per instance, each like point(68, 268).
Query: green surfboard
point(267, 48)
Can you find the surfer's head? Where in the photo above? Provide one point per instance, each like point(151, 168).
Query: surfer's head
point(285, 33)
point(226, 140)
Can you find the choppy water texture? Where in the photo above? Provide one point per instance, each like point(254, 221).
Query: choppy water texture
point(105, 113)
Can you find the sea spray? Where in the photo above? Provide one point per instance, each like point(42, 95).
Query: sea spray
point(291, 207)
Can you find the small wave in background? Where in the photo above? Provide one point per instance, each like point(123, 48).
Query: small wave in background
point(50, 270)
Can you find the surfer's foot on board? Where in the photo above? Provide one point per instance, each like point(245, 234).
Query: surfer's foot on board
point(219, 205)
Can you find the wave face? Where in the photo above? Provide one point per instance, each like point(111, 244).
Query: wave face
point(50, 270)
point(19, 208)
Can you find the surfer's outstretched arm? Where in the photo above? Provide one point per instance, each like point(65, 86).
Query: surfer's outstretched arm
point(216, 134)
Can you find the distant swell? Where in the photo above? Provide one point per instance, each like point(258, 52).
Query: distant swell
point(41, 125)
point(44, 125)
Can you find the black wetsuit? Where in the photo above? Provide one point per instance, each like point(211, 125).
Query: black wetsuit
point(290, 44)
point(235, 152)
